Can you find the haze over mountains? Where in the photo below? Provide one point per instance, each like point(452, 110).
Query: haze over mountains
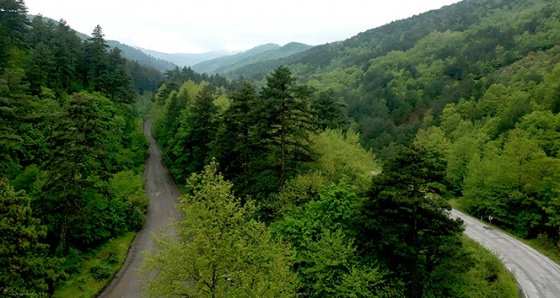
point(211, 62)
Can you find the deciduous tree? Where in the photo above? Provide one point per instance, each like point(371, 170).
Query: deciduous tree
point(220, 251)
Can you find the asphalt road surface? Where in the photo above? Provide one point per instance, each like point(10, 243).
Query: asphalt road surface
point(163, 194)
point(537, 275)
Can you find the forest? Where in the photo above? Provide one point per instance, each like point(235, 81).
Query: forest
point(327, 173)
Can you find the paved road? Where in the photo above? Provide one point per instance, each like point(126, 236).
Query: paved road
point(536, 274)
point(163, 194)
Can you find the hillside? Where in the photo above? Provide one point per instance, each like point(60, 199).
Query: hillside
point(258, 54)
point(475, 83)
point(391, 76)
point(134, 54)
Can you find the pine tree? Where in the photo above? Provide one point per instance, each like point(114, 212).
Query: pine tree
point(13, 24)
point(94, 64)
point(197, 129)
point(283, 123)
point(232, 147)
point(405, 221)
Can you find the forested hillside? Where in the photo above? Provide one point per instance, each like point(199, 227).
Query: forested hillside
point(478, 78)
point(72, 150)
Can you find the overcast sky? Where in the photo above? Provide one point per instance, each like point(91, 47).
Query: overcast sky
point(187, 26)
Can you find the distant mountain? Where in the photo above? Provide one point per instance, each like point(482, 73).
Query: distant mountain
point(142, 58)
point(183, 59)
point(258, 54)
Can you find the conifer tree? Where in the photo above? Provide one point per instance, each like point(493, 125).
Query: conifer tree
point(13, 24)
point(405, 221)
point(232, 147)
point(283, 123)
point(197, 129)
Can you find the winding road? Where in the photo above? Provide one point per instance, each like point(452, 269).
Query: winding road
point(537, 276)
point(163, 195)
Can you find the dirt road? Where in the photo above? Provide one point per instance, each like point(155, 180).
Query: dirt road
point(163, 194)
point(537, 276)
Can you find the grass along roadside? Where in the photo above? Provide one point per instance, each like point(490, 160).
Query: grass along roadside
point(89, 276)
point(543, 245)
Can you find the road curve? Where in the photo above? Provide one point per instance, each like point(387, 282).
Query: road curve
point(537, 275)
point(163, 195)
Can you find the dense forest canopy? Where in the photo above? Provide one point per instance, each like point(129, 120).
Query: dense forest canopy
point(72, 150)
point(325, 173)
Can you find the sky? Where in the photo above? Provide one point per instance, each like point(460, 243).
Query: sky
point(187, 26)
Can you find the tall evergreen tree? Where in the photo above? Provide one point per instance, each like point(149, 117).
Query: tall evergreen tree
point(405, 221)
point(78, 165)
point(94, 65)
point(232, 146)
point(13, 24)
point(281, 133)
point(118, 82)
point(197, 129)
point(329, 112)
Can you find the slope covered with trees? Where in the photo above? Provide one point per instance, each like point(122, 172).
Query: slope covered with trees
point(477, 80)
point(72, 151)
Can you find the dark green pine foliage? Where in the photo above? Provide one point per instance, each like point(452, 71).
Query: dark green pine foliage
point(94, 63)
point(68, 50)
point(11, 142)
point(168, 128)
point(406, 222)
point(118, 84)
point(197, 129)
point(330, 112)
point(232, 147)
point(78, 167)
point(283, 122)
point(26, 270)
point(13, 24)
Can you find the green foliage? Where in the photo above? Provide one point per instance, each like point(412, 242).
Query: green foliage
point(327, 262)
point(220, 251)
point(514, 182)
point(485, 276)
point(12, 27)
point(26, 269)
point(232, 146)
point(329, 111)
point(404, 222)
point(340, 156)
point(283, 123)
point(65, 148)
point(197, 126)
point(129, 195)
point(91, 271)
